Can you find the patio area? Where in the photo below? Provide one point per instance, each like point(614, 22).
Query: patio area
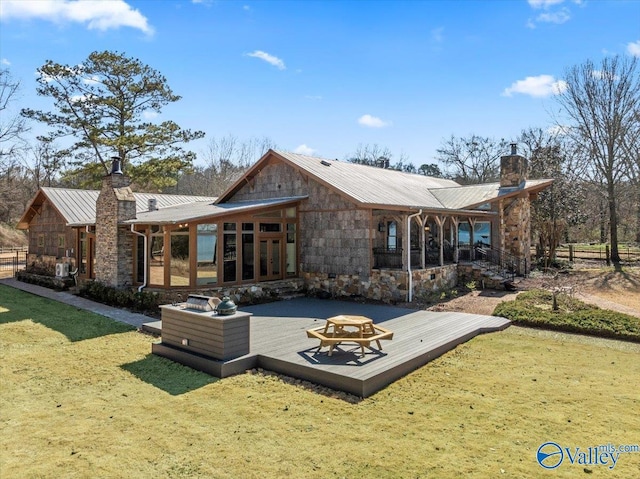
point(279, 343)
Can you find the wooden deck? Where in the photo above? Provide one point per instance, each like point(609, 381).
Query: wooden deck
point(280, 344)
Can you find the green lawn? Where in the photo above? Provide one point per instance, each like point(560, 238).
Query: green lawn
point(79, 404)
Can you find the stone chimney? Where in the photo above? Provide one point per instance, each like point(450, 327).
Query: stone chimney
point(513, 168)
point(114, 242)
point(515, 213)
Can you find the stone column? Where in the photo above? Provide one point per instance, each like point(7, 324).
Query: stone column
point(114, 242)
point(516, 215)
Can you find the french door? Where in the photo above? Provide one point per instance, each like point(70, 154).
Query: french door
point(270, 259)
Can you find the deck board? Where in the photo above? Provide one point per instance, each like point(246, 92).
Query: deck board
point(280, 343)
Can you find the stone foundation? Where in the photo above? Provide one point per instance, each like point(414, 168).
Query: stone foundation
point(389, 286)
point(241, 294)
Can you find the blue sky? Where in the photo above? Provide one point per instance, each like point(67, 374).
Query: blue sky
point(322, 77)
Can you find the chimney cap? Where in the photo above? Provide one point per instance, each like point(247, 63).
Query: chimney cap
point(514, 148)
point(115, 166)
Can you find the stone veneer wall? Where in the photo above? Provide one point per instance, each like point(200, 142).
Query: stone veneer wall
point(517, 229)
point(389, 286)
point(114, 243)
point(516, 221)
point(333, 234)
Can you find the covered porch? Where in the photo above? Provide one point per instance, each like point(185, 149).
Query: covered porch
point(425, 239)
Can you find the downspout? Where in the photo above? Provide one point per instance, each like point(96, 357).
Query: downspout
point(409, 218)
point(144, 236)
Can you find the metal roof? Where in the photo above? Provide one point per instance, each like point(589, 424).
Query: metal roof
point(470, 196)
point(203, 209)
point(78, 207)
point(369, 185)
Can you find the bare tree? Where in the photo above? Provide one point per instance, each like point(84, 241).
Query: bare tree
point(562, 204)
point(380, 156)
point(225, 160)
point(472, 160)
point(601, 105)
point(45, 163)
point(12, 127)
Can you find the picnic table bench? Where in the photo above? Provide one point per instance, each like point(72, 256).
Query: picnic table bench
point(352, 329)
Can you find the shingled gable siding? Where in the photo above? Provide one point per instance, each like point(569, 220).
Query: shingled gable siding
point(114, 243)
point(333, 234)
point(49, 224)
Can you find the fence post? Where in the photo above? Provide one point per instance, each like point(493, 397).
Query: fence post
point(607, 254)
point(571, 253)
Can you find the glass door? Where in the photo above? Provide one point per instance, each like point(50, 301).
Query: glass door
point(270, 259)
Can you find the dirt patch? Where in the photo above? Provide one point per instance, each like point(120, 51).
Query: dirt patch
point(604, 287)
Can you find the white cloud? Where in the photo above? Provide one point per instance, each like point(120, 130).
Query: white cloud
point(540, 86)
point(372, 121)
point(304, 150)
point(559, 17)
point(543, 3)
point(95, 14)
point(275, 61)
point(149, 114)
point(633, 48)
point(4, 61)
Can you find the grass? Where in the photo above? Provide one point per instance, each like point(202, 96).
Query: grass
point(75, 324)
point(534, 308)
point(103, 407)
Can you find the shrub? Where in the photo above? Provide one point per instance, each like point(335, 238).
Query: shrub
point(123, 298)
point(534, 308)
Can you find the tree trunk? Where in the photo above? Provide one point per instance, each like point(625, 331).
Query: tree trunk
point(603, 223)
point(613, 223)
point(638, 215)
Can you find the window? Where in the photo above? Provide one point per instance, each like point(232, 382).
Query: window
point(61, 243)
point(230, 252)
point(180, 257)
point(207, 263)
point(248, 270)
point(156, 257)
point(40, 241)
point(270, 227)
point(291, 249)
point(392, 235)
point(481, 233)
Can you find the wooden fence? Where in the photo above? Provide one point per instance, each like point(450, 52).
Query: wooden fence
point(571, 252)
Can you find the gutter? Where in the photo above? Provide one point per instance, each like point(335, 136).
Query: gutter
point(409, 252)
point(146, 255)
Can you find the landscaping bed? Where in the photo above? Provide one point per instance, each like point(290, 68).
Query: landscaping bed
point(536, 309)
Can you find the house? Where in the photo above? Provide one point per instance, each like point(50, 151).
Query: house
point(326, 225)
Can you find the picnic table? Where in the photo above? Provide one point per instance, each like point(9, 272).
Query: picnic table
point(352, 329)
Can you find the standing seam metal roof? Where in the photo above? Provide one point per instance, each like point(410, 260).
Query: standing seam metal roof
point(78, 207)
point(372, 185)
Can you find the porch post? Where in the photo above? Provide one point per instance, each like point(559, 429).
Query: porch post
point(423, 240)
point(455, 221)
point(501, 225)
point(440, 222)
